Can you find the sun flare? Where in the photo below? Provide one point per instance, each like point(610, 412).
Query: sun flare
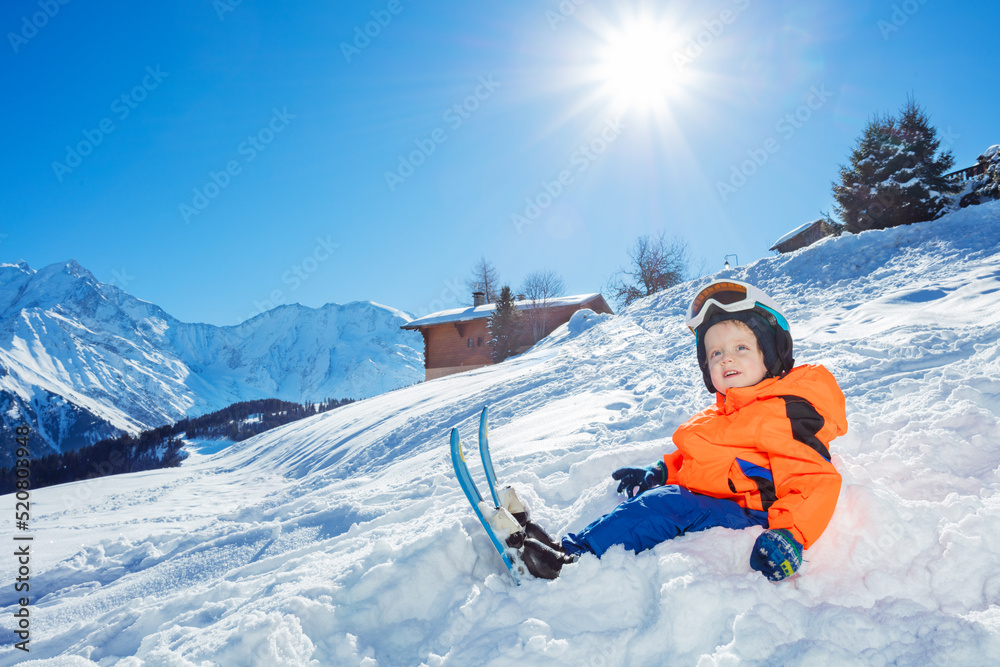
point(635, 67)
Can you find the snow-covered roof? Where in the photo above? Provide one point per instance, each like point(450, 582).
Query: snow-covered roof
point(795, 232)
point(479, 312)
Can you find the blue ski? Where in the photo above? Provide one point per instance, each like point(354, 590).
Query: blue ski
point(475, 498)
point(484, 454)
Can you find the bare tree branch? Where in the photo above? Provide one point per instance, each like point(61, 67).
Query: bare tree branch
point(484, 278)
point(656, 263)
point(539, 287)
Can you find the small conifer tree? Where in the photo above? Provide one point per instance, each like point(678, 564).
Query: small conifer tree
point(504, 326)
point(896, 174)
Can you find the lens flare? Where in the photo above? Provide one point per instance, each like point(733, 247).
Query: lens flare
point(636, 69)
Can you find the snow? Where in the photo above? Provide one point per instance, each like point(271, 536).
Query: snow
point(344, 539)
point(583, 320)
point(478, 312)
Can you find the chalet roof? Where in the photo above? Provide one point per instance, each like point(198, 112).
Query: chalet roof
point(795, 232)
point(470, 313)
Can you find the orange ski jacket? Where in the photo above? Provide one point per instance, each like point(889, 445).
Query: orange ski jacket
point(766, 447)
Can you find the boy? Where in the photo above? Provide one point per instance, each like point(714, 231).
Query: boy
point(758, 457)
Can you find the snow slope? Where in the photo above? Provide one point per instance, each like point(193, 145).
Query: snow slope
point(80, 358)
point(344, 539)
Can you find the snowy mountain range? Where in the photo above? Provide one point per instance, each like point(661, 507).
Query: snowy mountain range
point(344, 538)
point(81, 360)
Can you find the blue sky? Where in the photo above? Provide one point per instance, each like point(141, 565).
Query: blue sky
point(217, 158)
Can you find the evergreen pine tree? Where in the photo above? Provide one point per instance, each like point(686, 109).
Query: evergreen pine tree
point(896, 176)
point(504, 326)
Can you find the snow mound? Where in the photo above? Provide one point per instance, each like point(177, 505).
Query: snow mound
point(583, 320)
point(580, 322)
point(344, 539)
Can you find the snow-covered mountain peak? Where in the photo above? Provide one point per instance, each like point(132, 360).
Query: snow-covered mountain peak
point(65, 284)
point(74, 350)
point(50, 275)
point(73, 268)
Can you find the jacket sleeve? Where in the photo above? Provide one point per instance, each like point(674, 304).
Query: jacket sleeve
point(673, 461)
point(806, 484)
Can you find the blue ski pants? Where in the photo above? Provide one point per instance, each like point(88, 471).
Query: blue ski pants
point(659, 514)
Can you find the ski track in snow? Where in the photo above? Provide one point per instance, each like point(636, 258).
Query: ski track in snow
point(344, 539)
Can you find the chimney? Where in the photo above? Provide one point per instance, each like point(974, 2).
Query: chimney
point(478, 298)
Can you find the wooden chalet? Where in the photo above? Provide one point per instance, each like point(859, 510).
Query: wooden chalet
point(960, 176)
point(800, 237)
point(457, 340)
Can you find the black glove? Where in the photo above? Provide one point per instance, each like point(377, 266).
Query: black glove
point(776, 554)
point(634, 481)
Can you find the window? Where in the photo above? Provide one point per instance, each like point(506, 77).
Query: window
point(479, 342)
point(470, 342)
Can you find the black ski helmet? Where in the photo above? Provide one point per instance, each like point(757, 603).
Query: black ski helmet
point(725, 300)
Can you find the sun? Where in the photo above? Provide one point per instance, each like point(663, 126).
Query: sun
point(635, 67)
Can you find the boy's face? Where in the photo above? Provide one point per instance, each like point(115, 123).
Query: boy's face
point(734, 360)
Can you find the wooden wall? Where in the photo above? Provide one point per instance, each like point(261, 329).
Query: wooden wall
point(447, 345)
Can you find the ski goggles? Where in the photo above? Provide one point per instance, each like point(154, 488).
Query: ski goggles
point(732, 297)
